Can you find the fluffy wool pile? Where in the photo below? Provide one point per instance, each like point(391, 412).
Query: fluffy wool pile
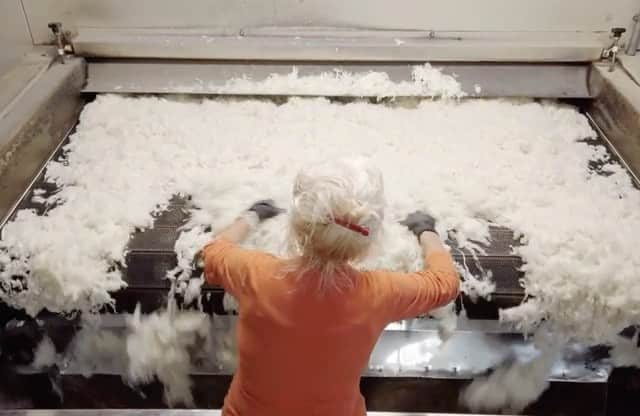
point(514, 385)
point(510, 387)
point(522, 164)
point(162, 346)
point(426, 81)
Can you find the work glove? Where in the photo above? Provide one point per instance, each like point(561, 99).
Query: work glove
point(266, 209)
point(197, 264)
point(419, 222)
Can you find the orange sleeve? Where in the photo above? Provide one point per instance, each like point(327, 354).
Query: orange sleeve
point(232, 267)
point(407, 295)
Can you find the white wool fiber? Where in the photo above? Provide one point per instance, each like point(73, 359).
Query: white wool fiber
point(513, 386)
point(186, 247)
point(520, 164)
point(475, 286)
point(524, 317)
point(510, 388)
point(224, 344)
point(93, 350)
point(162, 345)
point(45, 354)
point(625, 352)
point(193, 290)
point(447, 320)
point(426, 81)
point(230, 304)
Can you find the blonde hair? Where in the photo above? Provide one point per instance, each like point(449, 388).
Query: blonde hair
point(345, 191)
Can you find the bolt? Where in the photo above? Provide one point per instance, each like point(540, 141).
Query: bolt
point(55, 27)
point(618, 31)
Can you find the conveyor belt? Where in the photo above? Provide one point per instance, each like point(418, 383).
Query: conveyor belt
point(150, 256)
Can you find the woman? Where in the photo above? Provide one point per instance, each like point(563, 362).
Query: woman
point(307, 325)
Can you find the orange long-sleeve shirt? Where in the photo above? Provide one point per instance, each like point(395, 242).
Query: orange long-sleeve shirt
point(301, 351)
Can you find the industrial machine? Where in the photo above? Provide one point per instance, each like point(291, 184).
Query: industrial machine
point(576, 52)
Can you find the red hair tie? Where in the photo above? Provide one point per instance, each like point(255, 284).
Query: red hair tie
point(351, 226)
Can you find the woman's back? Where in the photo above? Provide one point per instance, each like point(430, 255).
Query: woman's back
point(302, 350)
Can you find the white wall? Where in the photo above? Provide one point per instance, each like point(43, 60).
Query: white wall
point(15, 39)
point(567, 16)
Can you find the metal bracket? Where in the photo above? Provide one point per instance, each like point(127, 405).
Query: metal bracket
point(612, 51)
point(63, 40)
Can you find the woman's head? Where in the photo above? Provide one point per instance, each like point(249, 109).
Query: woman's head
point(337, 211)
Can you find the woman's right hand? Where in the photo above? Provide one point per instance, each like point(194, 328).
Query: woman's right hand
point(418, 222)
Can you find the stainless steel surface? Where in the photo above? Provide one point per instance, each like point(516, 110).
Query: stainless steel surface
point(616, 111)
point(411, 348)
point(612, 148)
point(28, 189)
point(562, 20)
point(15, 39)
point(421, 353)
point(193, 77)
point(468, 354)
point(33, 123)
point(631, 65)
point(14, 82)
point(332, 46)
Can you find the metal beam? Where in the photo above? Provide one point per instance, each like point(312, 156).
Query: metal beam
point(213, 77)
point(337, 45)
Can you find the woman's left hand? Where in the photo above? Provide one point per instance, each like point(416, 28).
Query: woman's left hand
point(266, 209)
